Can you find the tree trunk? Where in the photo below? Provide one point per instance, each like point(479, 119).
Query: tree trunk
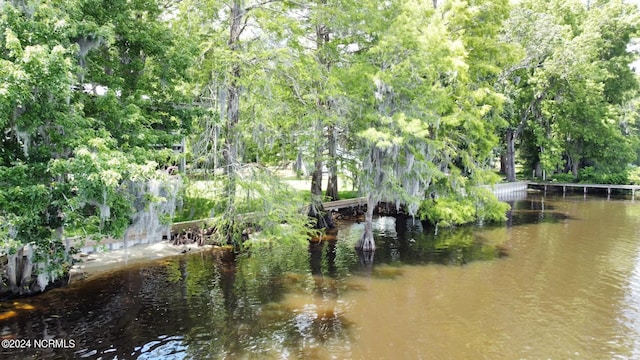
point(567, 163)
point(230, 150)
point(503, 163)
point(510, 168)
point(332, 184)
point(367, 243)
point(27, 270)
point(298, 167)
point(324, 220)
point(12, 271)
point(316, 175)
point(537, 171)
point(317, 209)
point(575, 166)
point(512, 135)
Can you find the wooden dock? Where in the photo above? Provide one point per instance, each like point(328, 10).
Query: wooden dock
point(346, 203)
point(585, 187)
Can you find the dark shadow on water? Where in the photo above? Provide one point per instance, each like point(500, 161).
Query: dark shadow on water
point(531, 204)
point(201, 306)
point(404, 240)
point(365, 261)
point(524, 217)
point(409, 243)
point(532, 210)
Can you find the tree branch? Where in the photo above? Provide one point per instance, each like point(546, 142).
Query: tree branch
point(260, 4)
point(525, 115)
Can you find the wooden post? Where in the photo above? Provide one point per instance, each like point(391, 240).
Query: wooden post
point(585, 192)
point(564, 190)
point(608, 193)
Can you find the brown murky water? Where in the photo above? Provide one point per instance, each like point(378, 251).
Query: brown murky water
point(562, 281)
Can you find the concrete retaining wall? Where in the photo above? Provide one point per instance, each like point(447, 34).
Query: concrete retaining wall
point(507, 188)
point(132, 238)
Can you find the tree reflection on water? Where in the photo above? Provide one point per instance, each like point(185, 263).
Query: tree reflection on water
point(271, 301)
point(282, 300)
point(404, 240)
point(266, 303)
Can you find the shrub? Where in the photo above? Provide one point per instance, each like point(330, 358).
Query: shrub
point(591, 175)
point(563, 178)
point(488, 207)
point(633, 175)
point(588, 175)
point(620, 178)
point(456, 209)
point(447, 211)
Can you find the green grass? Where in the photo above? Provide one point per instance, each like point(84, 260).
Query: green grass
point(344, 194)
point(348, 194)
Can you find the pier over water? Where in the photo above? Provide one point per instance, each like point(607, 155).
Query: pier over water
point(584, 187)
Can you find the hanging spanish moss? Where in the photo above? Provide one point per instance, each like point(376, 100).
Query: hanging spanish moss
point(105, 210)
point(25, 140)
point(155, 205)
point(85, 44)
point(401, 161)
point(208, 144)
point(24, 272)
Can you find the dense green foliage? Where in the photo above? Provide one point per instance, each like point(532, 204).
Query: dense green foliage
point(568, 97)
point(86, 109)
point(456, 208)
point(410, 100)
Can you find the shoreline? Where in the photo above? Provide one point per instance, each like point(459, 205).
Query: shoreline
point(97, 263)
point(116, 255)
point(114, 258)
point(101, 262)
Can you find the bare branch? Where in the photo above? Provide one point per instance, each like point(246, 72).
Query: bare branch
point(244, 25)
point(260, 4)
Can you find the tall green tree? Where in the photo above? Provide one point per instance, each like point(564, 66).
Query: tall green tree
point(426, 128)
point(538, 35)
point(564, 94)
point(337, 28)
point(243, 49)
point(79, 106)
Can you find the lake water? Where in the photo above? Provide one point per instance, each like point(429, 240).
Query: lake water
point(560, 281)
